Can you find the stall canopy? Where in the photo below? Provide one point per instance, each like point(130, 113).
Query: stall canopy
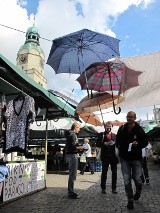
point(13, 80)
point(59, 134)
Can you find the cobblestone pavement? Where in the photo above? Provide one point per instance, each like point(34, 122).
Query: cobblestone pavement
point(54, 198)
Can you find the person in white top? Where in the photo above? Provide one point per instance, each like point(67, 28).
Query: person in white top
point(145, 175)
point(87, 152)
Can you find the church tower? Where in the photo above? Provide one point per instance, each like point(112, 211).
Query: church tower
point(31, 58)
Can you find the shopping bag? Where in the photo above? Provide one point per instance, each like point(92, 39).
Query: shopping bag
point(83, 158)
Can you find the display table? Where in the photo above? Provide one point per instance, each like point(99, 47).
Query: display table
point(24, 178)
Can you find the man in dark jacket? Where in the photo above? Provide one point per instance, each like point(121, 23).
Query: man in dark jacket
point(108, 156)
point(72, 147)
point(130, 140)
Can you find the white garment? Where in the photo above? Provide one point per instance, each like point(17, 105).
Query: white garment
point(88, 151)
point(145, 150)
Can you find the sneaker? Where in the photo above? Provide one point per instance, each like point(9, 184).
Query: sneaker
point(73, 196)
point(147, 181)
point(130, 205)
point(103, 191)
point(114, 191)
point(137, 196)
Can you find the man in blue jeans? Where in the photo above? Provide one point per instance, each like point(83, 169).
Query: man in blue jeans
point(72, 147)
point(130, 140)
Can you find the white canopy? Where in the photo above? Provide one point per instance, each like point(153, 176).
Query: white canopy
point(148, 91)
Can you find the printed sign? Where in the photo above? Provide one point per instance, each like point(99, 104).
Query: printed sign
point(23, 178)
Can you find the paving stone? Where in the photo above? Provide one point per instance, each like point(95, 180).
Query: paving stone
point(54, 198)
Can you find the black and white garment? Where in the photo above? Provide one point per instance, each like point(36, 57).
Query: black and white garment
point(18, 114)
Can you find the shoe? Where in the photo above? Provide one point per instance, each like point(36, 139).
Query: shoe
point(103, 191)
point(137, 196)
point(147, 181)
point(92, 173)
point(130, 205)
point(82, 173)
point(114, 191)
point(73, 196)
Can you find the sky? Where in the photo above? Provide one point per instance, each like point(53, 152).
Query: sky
point(134, 22)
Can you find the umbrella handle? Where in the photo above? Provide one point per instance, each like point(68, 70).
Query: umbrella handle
point(114, 109)
point(38, 124)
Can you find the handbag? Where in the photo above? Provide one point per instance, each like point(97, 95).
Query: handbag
point(83, 158)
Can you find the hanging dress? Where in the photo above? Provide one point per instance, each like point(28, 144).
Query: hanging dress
point(18, 115)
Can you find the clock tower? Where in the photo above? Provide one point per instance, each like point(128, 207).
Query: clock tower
point(31, 58)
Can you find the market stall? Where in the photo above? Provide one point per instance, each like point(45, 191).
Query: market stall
point(20, 100)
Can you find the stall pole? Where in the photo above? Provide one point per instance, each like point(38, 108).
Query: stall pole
point(46, 145)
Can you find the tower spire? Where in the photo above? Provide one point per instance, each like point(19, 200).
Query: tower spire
point(34, 18)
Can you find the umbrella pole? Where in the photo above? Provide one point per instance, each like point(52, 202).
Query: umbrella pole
point(101, 114)
point(114, 107)
point(85, 73)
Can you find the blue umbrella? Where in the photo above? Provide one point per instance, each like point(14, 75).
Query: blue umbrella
point(74, 52)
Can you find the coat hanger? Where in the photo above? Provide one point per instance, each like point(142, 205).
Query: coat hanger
point(20, 96)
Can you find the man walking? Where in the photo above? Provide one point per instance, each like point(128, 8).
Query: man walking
point(130, 140)
point(108, 156)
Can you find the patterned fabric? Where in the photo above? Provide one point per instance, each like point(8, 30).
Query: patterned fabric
point(96, 76)
point(17, 116)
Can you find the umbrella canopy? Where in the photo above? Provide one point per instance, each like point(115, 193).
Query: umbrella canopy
point(74, 52)
point(98, 101)
point(90, 118)
point(108, 76)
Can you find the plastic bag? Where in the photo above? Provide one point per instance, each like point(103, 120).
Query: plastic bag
point(83, 158)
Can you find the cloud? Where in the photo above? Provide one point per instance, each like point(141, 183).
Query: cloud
point(55, 18)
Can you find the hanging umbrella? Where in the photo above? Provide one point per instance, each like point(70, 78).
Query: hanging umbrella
point(74, 52)
point(97, 76)
point(108, 76)
point(90, 118)
point(102, 100)
point(98, 102)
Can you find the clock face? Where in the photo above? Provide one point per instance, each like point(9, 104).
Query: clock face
point(23, 59)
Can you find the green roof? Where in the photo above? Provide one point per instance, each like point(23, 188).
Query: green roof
point(31, 45)
point(22, 81)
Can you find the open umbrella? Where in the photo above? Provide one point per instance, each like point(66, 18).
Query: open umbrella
point(102, 100)
point(74, 52)
point(108, 76)
point(90, 118)
point(98, 102)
